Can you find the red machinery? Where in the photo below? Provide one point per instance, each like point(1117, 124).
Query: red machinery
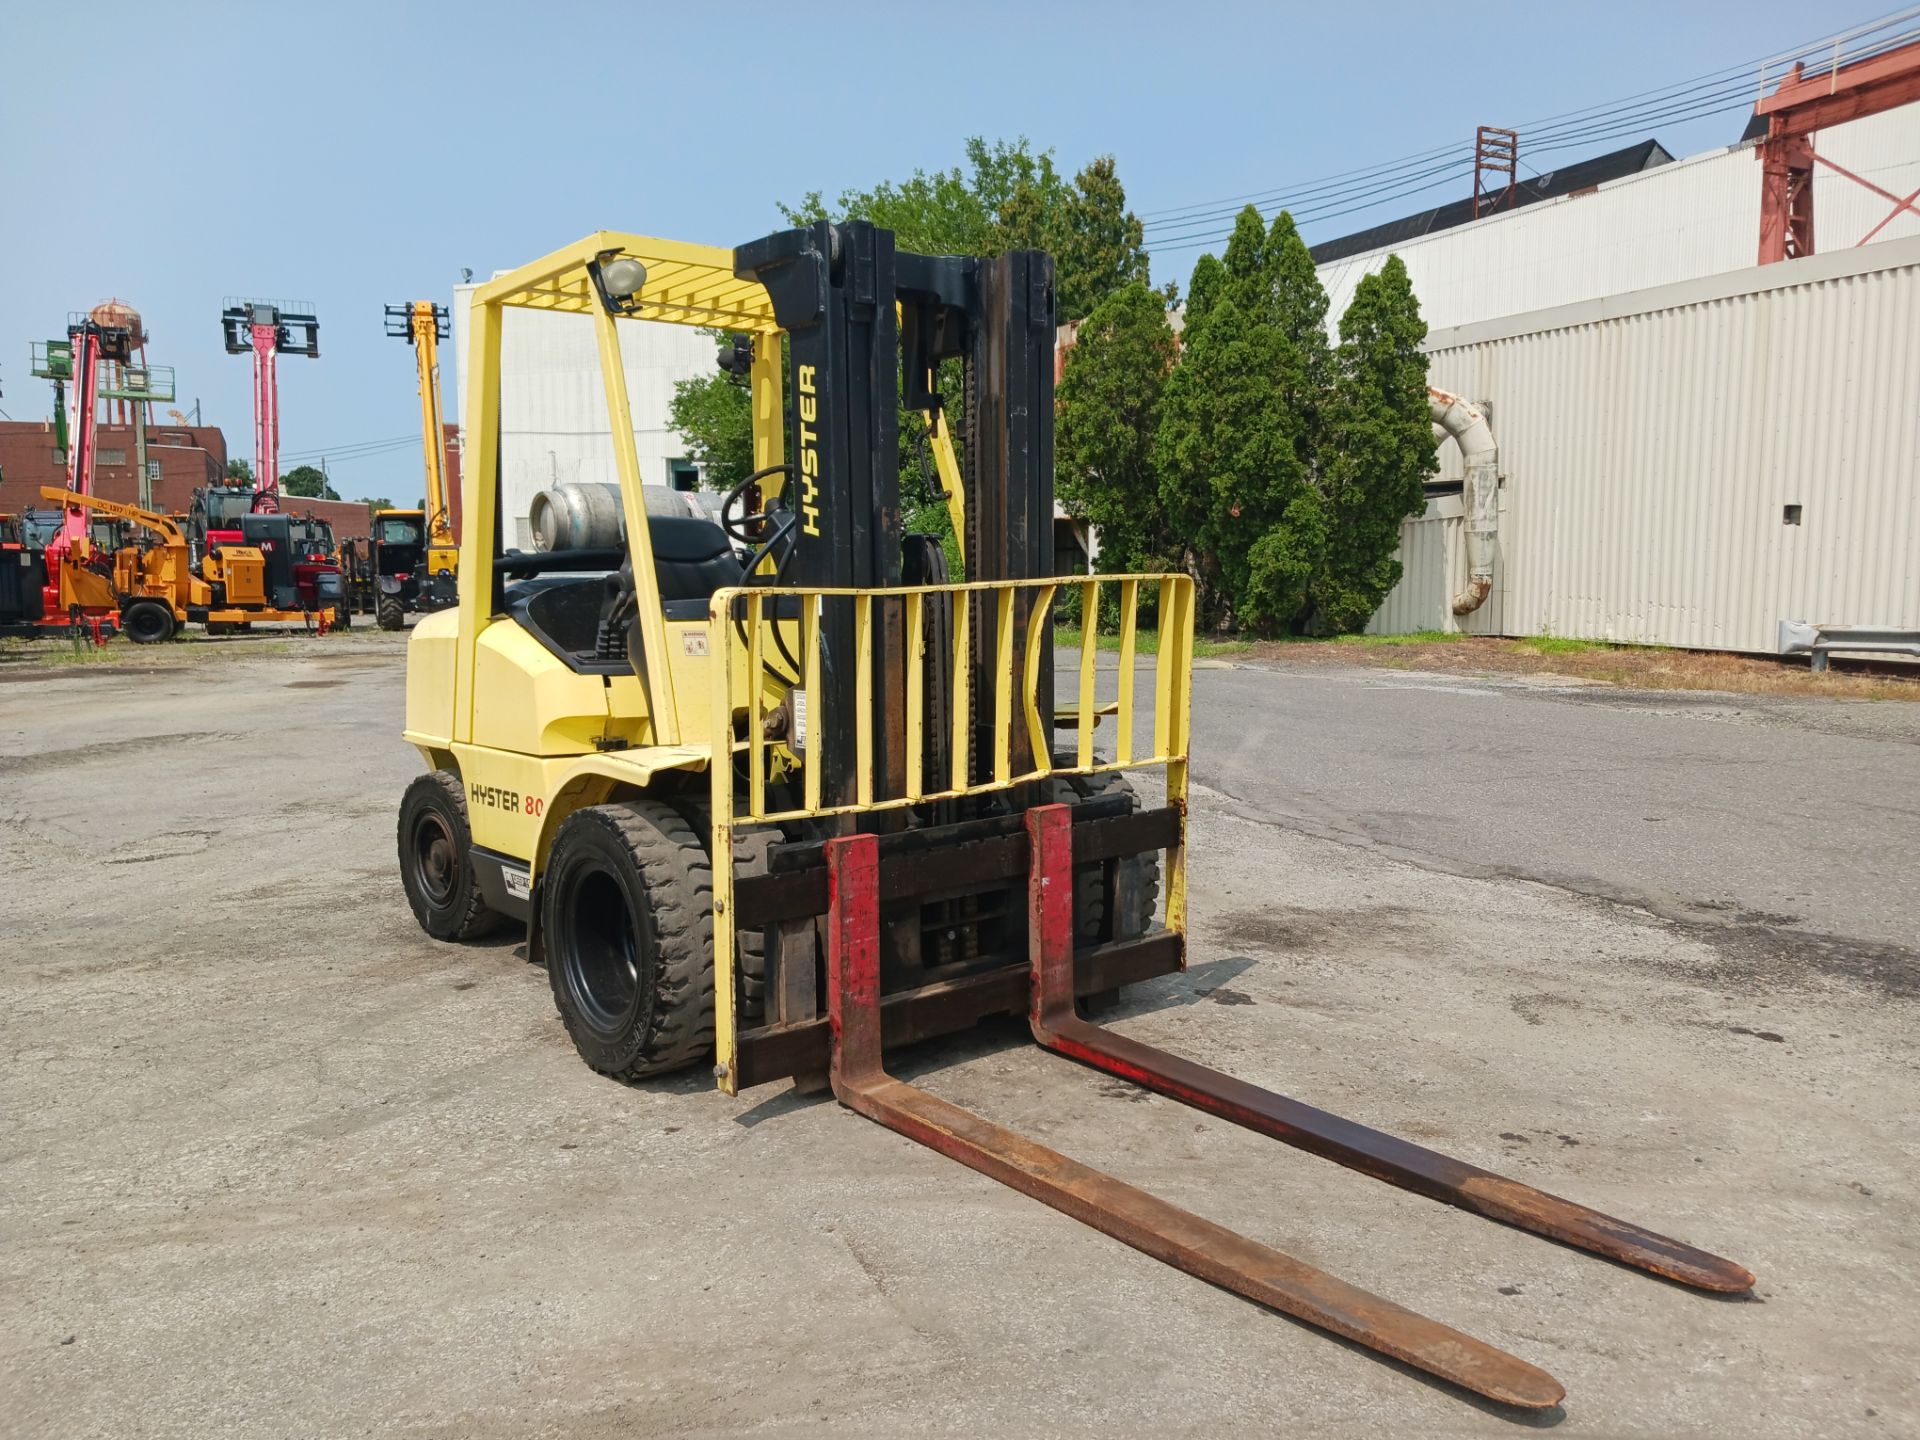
point(1807, 101)
point(268, 329)
point(72, 590)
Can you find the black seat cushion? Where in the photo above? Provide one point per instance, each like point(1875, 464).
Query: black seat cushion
point(691, 558)
point(561, 611)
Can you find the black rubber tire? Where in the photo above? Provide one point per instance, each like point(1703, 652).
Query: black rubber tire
point(343, 616)
point(1090, 926)
point(147, 622)
point(435, 870)
point(391, 615)
point(749, 946)
point(626, 921)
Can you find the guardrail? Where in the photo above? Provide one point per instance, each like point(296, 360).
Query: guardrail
point(1797, 637)
point(763, 652)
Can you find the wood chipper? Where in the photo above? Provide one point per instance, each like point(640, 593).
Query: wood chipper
point(776, 792)
point(157, 588)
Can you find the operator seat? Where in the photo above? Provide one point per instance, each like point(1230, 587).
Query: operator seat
point(692, 558)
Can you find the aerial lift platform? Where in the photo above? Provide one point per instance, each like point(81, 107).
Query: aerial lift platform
point(779, 795)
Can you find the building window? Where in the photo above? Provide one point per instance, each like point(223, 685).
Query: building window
point(59, 457)
point(111, 457)
point(683, 474)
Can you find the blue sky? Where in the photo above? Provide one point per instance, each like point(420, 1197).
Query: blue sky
point(355, 154)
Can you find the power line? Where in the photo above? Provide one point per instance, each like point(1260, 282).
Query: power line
point(1181, 228)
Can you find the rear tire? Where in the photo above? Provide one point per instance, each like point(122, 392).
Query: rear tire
point(436, 866)
point(147, 622)
point(391, 616)
point(626, 921)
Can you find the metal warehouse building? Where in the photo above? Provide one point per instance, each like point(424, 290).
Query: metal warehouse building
point(1692, 448)
point(1692, 464)
point(553, 408)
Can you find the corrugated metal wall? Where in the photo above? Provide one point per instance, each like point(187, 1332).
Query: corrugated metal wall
point(553, 416)
point(1650, 443)
point(1695, 217)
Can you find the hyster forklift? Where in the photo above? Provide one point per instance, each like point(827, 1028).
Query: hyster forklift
point(412, 563)
point(158, 587)
point(783, 814)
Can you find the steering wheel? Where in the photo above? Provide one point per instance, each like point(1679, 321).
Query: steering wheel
point(744, 529)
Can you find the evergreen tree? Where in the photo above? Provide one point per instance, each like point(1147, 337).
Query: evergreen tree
point(1108, 411)
point(1381, 447)
point(1101, 246)
point(1237, 446)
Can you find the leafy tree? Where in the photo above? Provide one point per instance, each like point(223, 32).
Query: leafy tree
point(1008, 198)
point(239, 472)
point(308, 482)
point(1109, 405)
point(1381, 447)
point(375, 506)
point(715, 415)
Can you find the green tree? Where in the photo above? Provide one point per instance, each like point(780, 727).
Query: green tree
point(1008, 197)
point(375, 506)
point(1235, 451)
point(239, 472)
point(1381, 447)
point(1108, 413)
point(308, 482)
point(715, 416)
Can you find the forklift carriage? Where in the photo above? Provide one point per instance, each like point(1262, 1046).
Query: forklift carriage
point(776, 793)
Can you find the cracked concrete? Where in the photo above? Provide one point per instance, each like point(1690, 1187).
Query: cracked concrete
point(275, 1163)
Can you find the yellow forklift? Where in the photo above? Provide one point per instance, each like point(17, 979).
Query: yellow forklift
point(154, 581)
point(780, 814)
point(410, 563)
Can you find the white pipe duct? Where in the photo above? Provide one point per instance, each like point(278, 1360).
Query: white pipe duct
point(1479, 495)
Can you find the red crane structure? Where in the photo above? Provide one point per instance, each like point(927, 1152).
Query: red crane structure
point(268, 329)
point(1810, 100)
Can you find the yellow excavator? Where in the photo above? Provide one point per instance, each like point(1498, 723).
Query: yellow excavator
point(412, 562)
point(778, 796)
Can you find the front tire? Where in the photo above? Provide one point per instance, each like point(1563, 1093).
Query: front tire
point(436, 860)
point(390, 615)
point(626, 921)
point(147, 622)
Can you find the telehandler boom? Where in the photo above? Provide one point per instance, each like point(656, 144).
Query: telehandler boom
point(412, 562)
point(775, 793)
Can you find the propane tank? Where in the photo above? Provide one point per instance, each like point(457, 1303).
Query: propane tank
point(577, 515)
point(585, 514)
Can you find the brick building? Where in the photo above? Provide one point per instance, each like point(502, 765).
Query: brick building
point(188, 456)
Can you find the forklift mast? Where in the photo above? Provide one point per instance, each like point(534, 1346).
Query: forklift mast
point(870, 327)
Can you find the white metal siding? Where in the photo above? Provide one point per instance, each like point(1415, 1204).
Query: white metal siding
point(1649, 443)
point(1695, 217)
point(553, 409)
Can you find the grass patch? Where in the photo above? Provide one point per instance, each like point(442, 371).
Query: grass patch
point(1559, 645)
point(1147, 642)
point(1412, 637)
